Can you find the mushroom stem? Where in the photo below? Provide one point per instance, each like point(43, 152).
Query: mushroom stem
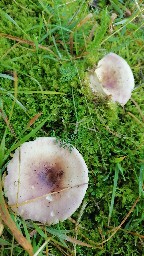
point(95, 83)
point(12, 226)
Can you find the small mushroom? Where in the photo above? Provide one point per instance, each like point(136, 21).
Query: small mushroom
point(46, 182)
point(113, 76)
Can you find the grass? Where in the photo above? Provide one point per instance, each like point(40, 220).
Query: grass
point(47, 47)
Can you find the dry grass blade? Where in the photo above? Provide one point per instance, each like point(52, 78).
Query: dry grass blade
point(62, 250)
point(138, 108)
point(90, 241)
point(45, 195)
point(70, 239)
point(32, 121)
point(132, 233)
point(5, 118)
point(134, 117)
point(91, 35)
point(119, 29)
point(119, 227)
point(5, 216)
point(1, 228)
point(78, 242)
point(78, 222)
point(41, 248)
point(24, 41)
point(9, 50)
point(82, 22)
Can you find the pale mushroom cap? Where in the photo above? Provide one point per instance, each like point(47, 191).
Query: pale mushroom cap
point(115, 78)
point(46, 182)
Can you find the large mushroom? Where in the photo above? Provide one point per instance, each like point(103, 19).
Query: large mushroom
point(113, 76)
point(45, 181)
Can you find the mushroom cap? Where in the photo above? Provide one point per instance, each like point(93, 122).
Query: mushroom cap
point(46, 182)
point(115, 78)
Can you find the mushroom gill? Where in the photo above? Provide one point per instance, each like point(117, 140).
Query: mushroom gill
point(46, 182)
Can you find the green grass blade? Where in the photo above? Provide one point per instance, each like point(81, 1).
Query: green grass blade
point(2, 90)
point(45, 7)
point(59, 233)
point(121, 170)
point(113, 193)
point(101, 31)
point(41, 25)
point(141, 181)
point(3, 242)
point(58, 52)
point(25, 138)
point(39, 251)
point(9, 18)
point(6, 76)
point(40, 231)
point(2, 150)
point(27, 235)
point(62, 235)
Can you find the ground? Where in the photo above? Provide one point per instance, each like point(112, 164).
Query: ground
point(47, 49)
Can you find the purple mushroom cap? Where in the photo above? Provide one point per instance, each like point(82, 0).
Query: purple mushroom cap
point(113, 76)
point(46, 182)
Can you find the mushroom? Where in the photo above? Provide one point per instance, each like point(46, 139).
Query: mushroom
point(46, 182)
point(113, 76)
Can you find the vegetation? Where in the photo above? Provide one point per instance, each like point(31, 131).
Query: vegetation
point(47, 48)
